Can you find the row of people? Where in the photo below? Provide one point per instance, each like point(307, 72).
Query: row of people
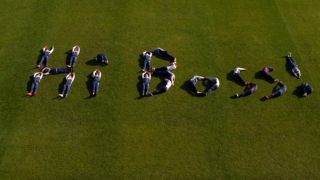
point(96, 77)
point(46, 52)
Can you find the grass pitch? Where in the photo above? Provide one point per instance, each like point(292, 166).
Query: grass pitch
point(173, 135)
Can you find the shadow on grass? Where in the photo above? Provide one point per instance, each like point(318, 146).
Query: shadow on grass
point(68, 56)
point(29, 83)
point(230, 77)
point(89, 86)
point(298, 92)
point(262, 76)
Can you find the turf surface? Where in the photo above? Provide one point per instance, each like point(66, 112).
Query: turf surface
point(117, 135)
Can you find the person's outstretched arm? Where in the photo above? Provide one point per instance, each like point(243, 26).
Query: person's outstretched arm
point(51, 50)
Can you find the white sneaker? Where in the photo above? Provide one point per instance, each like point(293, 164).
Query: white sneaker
point(61, 95)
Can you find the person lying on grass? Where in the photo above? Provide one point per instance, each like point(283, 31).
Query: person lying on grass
point(74, 56)
point(213, 85)
point(102, 58)
point(249, 89)
point(237, 77)
point(146, 56)
point(35, 83)
point(96, 77)
point(293, 66)
point(163, 54)
point(279, 89)
point(52, 71)
point(46, 52)
point(146, 79)
point(67, 85)
point(307, 89)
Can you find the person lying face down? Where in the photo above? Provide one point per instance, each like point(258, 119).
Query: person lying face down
point(96, 77)
point(35, 83)
point(67, 85)
point(293, 66)
point(46, 52)
point(52, 71)
point(146, 79)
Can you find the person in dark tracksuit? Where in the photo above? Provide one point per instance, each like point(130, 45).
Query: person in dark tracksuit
point(168, 79)
point(35, 84)
point(102, 58)
point(74, 56)
point(146, 79)
point(293, 65)
point(96, 75)
point(214, 85)
point(51, 71)
point(236, 75)
point(250, 88)
point(146, 61)
point(68, 83)
point(282, 89)
point(163, 54)
point(266, 71)
point(307, 89)
point(46, 52)
point(193, 81)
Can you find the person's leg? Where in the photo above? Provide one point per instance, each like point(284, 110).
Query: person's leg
point(72, 60)
point(245, 93)
point(240, 79)
point(35, 88)
point(97, 88)
point(41, 61)
point(275, 94)
point(46, 61)
point(145, 63)
point(144, 89)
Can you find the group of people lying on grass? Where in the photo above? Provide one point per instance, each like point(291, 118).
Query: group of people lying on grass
point(69, 70)
point(46, 52)
point(249, 88)
point(164, 73)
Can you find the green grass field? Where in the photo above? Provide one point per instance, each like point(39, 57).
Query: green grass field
point(173, 135)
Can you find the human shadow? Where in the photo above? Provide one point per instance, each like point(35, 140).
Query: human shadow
point(138, 86)
point(60, 87)
point(29, 83)
point(68, 56)
point(39, 56)
point(262, 76)
point(89, 85)
point(298, 91)
point(187, 87)
point(140, 61)
point(231, 77)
